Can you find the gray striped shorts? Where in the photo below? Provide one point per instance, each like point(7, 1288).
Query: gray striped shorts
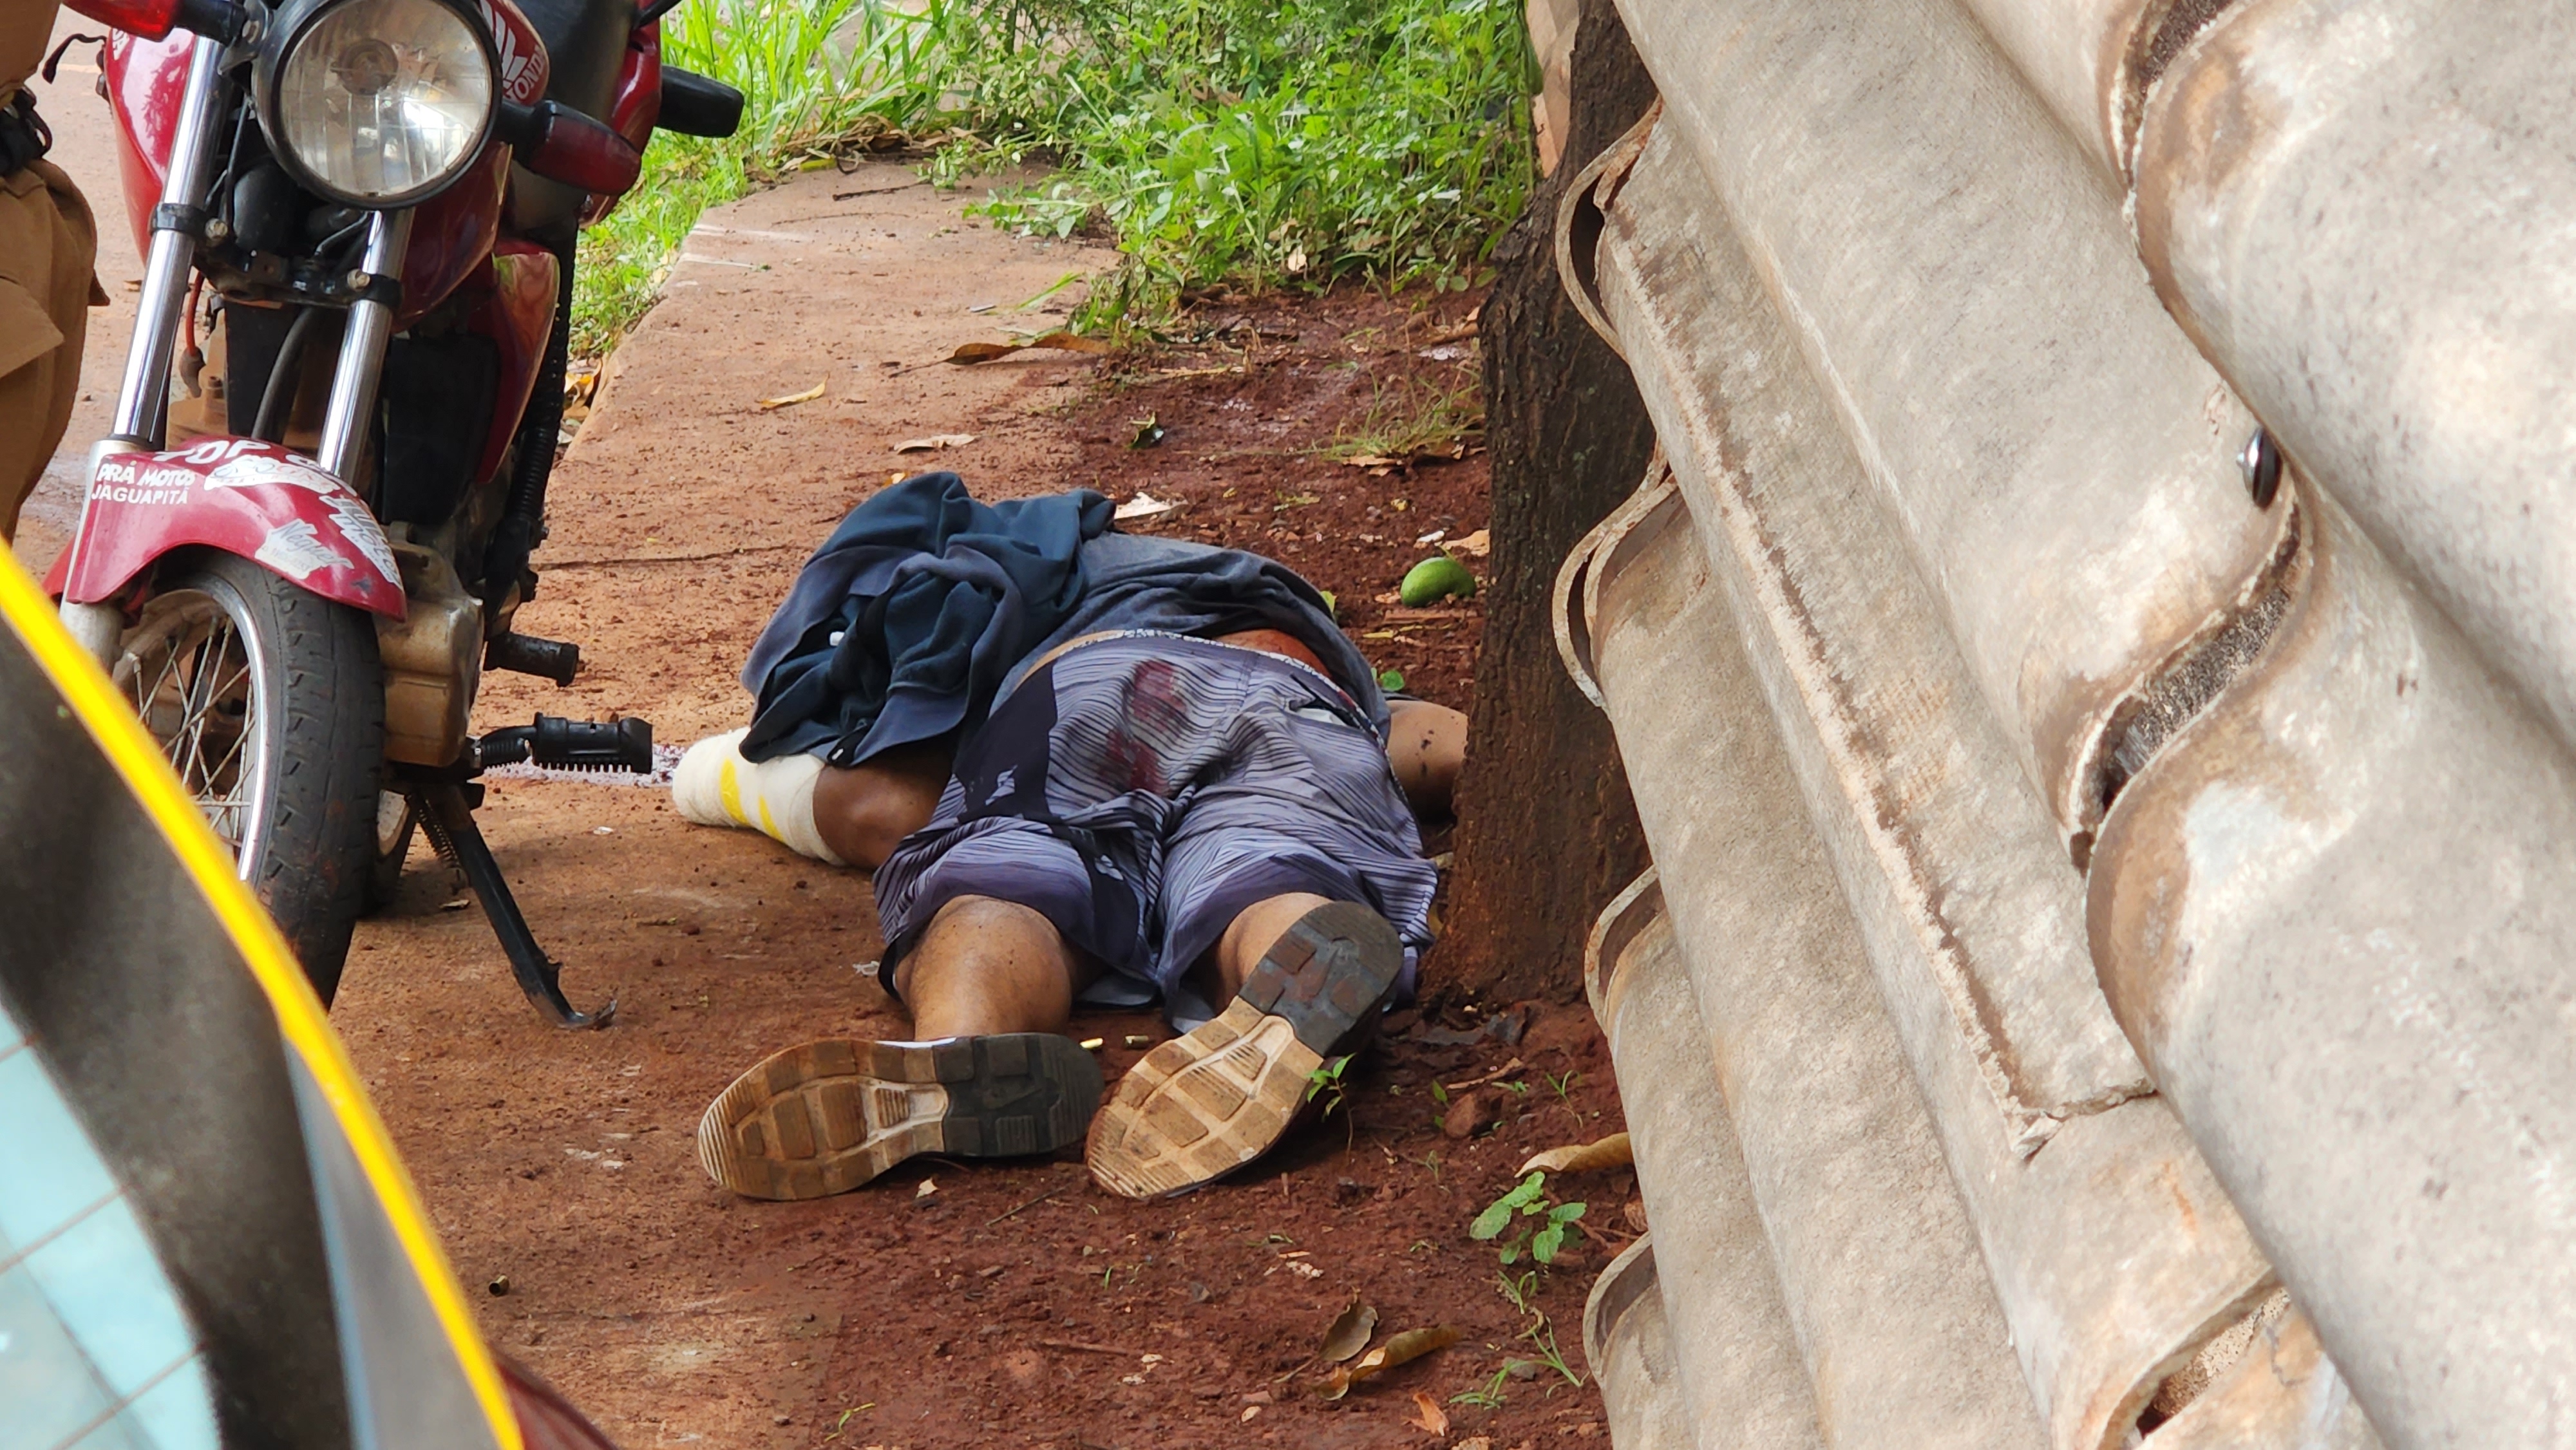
point(1140, 791)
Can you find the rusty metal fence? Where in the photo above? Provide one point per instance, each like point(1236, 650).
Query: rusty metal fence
point(2104, 729)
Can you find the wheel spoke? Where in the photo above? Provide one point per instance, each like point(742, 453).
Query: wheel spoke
point(143, 701)
point(202, 665)
point(230, 759)
point(240, 735)
point(184, 747)
point(194, 677)
point(201, 702)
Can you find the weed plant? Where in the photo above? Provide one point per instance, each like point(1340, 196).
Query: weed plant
point(1215, 141)
point(1527, 1200)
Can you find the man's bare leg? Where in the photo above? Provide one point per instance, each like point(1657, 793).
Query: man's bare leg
point(988, 1075)
point(865, 811)
point(1307, 976)
point(986, 966)
point(1253, 931)
point(1427, 746)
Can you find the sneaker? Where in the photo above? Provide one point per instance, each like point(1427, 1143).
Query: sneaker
point(1213, 1099)
point(829, 1116)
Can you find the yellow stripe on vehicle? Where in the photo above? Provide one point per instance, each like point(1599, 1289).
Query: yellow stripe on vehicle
point(139, 761)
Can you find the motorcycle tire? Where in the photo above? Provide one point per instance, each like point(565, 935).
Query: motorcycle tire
point(395, 828)
point(269, 701)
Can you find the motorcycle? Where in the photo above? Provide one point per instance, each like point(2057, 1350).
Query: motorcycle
point(310, 529)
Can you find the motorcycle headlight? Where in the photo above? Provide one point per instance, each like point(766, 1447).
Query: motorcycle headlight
point(377, 103)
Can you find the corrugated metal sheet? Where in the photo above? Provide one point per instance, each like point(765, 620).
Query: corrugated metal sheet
point(2335, 916)
point(2110, 1248)
point(1736, 1373)
point(2057, 460)
point(2365, 213)
point(2206, 855)
point(1875, 1258)
point(1629, 1347)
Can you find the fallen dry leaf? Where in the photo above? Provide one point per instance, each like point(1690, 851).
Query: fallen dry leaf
point(934, 443)
point(1249, 1412)
point(1402, 1349)
point(1475, 1442)
point(1350, 1332)
point(1143, 506)
point(1610, 1152)
point(791, 400)
point(1058, 340)
point(1372, 460)
point(1476, 545)
point(1428, 1414)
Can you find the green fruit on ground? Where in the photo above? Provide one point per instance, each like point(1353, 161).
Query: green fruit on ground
point(1435, 579)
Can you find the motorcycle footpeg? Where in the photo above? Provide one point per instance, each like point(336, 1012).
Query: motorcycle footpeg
point(526, 654)
point(560, 744)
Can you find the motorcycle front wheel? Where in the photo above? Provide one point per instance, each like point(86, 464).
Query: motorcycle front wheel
point(269, 702)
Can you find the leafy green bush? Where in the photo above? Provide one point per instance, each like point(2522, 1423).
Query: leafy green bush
point(1263, 144)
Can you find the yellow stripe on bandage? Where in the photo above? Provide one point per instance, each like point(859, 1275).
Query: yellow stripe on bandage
point(768, 827)
point(729, 790)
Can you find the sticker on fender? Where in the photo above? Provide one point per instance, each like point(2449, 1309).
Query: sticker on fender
point(122, 479)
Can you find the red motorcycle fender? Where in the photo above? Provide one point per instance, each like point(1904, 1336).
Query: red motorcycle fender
point(242, 496)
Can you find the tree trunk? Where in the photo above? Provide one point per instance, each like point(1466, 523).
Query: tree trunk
point(1547, 832)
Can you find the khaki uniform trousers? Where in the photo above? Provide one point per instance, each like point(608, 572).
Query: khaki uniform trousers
point(48, 248)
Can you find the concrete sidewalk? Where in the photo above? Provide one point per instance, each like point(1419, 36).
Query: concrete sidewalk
point(683, 508)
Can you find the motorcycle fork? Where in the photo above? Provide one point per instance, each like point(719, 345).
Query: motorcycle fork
point(143, 396)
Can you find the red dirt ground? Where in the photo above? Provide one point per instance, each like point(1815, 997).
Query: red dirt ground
point(950, 1304)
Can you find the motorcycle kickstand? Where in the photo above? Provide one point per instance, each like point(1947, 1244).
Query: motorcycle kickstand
point(441, 809)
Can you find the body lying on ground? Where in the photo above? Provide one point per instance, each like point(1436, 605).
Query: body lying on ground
point(1085, 768)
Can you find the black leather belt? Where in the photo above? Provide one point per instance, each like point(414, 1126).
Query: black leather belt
point(24, 137)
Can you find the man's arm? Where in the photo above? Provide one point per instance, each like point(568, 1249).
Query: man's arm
point(1427, 745)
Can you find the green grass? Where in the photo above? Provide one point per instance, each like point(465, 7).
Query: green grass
point(807, 96)
point(1418, 414)
point(1242, 142)
point(1260, 144)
